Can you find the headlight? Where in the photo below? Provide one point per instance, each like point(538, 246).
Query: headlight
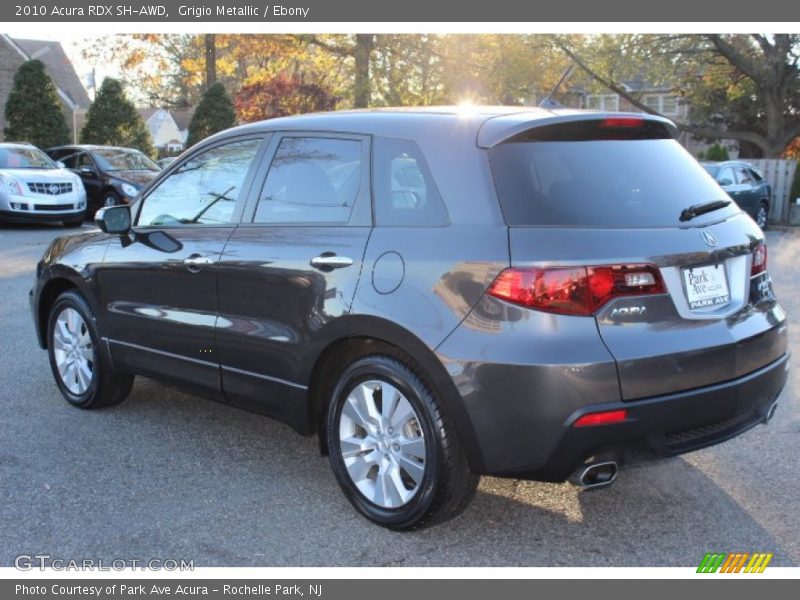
point(10, 185)
point(129, 190)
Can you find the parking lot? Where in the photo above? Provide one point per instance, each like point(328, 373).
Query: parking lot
point(170, 475)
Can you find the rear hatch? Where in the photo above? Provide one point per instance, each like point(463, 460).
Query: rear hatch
point(599, 228)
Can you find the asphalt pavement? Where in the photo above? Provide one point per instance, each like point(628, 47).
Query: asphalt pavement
point(168, 475)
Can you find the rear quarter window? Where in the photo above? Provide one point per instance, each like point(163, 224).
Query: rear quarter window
point(404, 190)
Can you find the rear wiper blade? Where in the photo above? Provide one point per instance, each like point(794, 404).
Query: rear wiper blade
point(689, 213)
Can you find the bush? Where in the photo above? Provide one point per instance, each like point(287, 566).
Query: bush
point(281, 96)
point(213, 114)
point(717, 152)
point(112, 120)
point(33, 110)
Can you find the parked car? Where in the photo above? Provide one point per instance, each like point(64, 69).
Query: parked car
point(746, 185)
point(110, 175)
point(436, 294)
point(166, 161)
point(33, 188)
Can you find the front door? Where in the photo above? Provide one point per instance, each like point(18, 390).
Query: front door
point(160, 282)
point(291, 268)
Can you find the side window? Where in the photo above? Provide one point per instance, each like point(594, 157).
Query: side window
point(68, 157)
point(726, 177)
point(203, 190)
point(405, 194)
point(311, 180)
point(755, 175)
point(743, 176)
point(84, 160)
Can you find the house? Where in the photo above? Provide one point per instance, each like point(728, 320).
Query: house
point(169, 128)
point(74, 99)
point(662, 99)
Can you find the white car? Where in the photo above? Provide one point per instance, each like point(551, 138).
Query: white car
point(33, 188)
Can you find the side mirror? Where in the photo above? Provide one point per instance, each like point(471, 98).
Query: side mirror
point(113, 219)
point(87, 171)
point(724, 182)
point(60, 165)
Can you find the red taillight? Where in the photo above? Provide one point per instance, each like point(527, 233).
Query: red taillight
point(622, 122)
point(759, 260)
point(575, 290)
point(601, 418)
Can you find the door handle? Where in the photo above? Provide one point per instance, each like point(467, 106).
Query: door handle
point(328, 261)
point(195, 262)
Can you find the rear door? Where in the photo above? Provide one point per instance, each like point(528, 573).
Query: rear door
point(610, 197)
point(291, 268)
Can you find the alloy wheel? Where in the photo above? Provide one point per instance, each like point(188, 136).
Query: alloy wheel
point(73, 351)
point(382, 444)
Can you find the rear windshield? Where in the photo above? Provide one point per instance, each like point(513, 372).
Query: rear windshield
point(601, 180)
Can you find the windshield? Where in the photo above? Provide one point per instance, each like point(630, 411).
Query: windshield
point(20, 157)
point(122, 159)
point(712, 170)
point(602, 183)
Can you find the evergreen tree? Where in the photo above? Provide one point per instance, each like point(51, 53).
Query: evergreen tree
point(717, 152)
point(213, 114)
point(112, 120)
point(33, 110)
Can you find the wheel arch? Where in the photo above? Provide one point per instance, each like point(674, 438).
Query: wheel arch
point(367, 335)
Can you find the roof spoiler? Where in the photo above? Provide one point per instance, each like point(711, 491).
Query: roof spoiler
point(497, 130)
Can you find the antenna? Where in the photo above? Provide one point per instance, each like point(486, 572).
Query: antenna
point(547, 101)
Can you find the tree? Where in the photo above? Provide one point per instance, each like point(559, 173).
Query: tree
point(358, 47)
point(213, 114)
point(113, 120)
point(281, 96)
point(740, 87)
point(33, 111)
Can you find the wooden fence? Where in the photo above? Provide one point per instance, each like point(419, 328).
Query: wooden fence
point(780, 175)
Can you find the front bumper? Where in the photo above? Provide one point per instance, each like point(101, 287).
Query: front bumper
point(665, 425)
point(40, 217)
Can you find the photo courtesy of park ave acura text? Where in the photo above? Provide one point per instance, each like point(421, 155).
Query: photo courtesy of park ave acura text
point(398, 299)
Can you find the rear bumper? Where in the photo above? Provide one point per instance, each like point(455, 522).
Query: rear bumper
point(665, 425)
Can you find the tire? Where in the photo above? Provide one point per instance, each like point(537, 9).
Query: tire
point(410, 499)
point(102, 386)
point(762, 214)
point(110, 198)
point(74, 223)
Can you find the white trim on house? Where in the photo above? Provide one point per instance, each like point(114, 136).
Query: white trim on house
point(609, 102)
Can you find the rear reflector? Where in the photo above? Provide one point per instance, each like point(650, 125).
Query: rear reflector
point(601, 418)
point(575, 290)
point(759, 259)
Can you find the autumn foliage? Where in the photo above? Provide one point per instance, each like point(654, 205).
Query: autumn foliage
point(281, 96)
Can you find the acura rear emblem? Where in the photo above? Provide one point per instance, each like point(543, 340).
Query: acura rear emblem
point(709, 238)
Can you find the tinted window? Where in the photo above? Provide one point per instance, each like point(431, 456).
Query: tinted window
point(202, 190)
point(311, 180)
point(743, 176)
point(405, 193)
point(611, 183)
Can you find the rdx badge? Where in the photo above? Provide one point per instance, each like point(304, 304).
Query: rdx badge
point(628, 311)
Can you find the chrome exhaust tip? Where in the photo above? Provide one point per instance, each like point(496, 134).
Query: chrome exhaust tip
point(595, 475)
point(770, 412)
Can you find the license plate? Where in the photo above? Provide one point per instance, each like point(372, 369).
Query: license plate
point(706, 287)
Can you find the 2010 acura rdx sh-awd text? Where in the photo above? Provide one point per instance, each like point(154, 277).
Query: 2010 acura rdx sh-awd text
point(436, 293)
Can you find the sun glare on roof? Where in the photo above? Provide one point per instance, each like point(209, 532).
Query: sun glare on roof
point(466, 107)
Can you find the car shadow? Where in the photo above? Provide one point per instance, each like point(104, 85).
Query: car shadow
point(223, 487)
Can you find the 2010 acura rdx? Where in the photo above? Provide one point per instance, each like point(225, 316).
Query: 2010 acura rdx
point(436, 293)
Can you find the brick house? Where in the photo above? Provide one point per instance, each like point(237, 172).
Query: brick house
point(74, 99)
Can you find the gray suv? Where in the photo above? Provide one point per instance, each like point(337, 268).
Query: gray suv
point(436, 294)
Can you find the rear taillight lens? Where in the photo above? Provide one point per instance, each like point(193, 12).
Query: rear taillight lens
point(607, 417)
point(759, 260)
point(575, 290)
